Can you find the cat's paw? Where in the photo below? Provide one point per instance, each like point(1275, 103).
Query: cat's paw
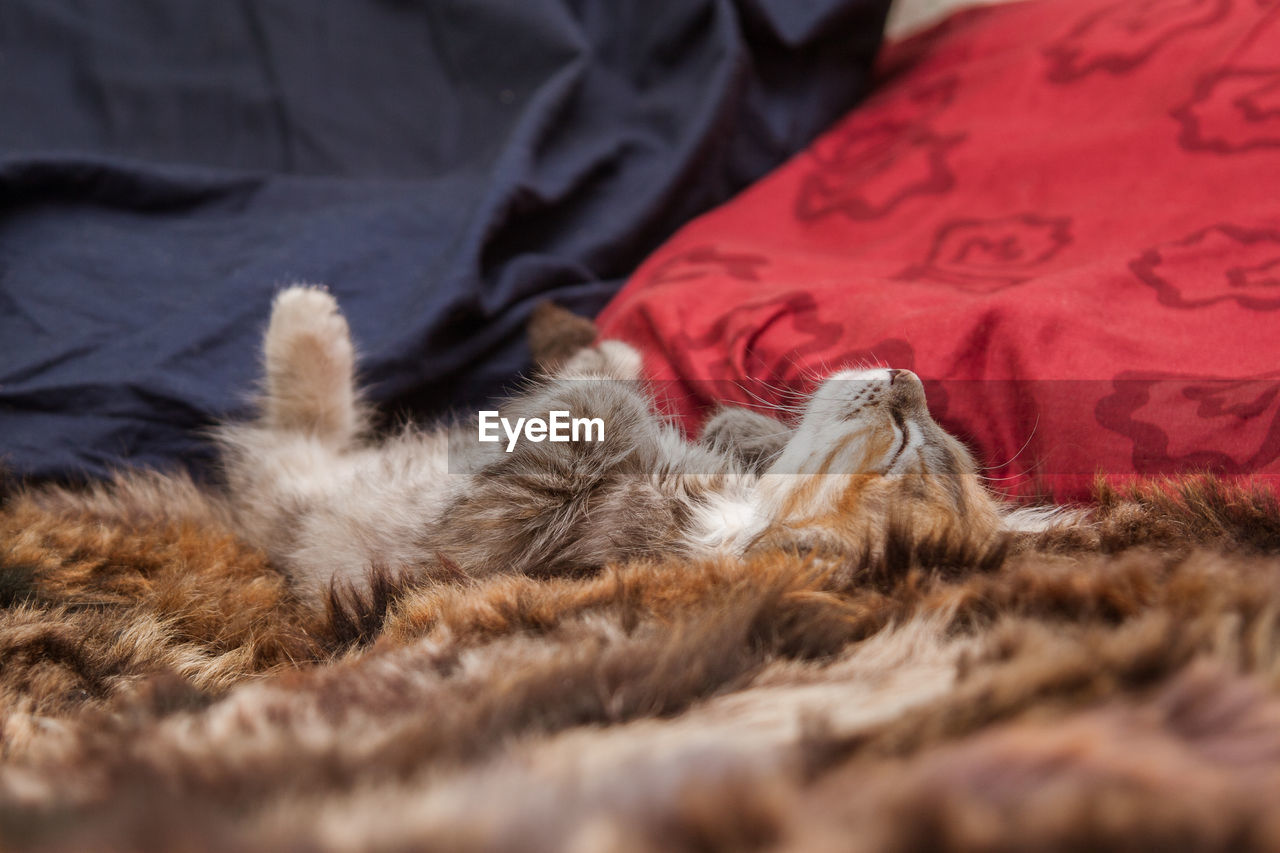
point(310, 364)
point(753, 438)
point(306, 322)
point(605, 360)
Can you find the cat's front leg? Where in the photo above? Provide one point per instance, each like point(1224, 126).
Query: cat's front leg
point(753, 438)
point(309, 368)
point(605, 360)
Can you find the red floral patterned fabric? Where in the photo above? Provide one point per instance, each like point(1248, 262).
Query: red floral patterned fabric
point(1063, 214)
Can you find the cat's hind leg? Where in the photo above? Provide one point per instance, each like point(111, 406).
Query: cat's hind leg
point(292, 466)
point(309, 368)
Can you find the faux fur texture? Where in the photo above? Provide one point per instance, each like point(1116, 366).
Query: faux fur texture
point(1106, 686)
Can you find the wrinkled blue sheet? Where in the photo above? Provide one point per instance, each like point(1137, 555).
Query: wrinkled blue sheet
point(443, 165)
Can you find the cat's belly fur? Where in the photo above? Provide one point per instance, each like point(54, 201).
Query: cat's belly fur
point(336, 514)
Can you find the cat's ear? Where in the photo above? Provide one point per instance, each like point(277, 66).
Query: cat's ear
point(556, 335)
point(753, 438)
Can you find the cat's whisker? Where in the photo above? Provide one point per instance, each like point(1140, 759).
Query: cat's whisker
point(805, 373)
point(763, 403)
point(771, 405)
point(783, 391)
point(1024, 473)
point(1004, 479)
point(1025, 444)
point(769, 408)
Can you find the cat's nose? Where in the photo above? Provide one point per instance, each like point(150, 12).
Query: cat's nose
point(898, 376)
point(907, 387)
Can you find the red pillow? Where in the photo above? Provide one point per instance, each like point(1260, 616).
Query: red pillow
point(1064, 215)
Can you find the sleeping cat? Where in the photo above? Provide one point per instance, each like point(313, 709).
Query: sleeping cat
point(326, 501)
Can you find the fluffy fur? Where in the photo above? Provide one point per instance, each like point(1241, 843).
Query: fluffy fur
point(935, 680)
point(1104, 686)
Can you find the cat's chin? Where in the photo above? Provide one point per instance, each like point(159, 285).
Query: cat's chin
point(850, 513)
point(726, 523)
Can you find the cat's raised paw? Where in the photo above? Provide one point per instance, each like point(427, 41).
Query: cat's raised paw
point(306, 310)
point(310, 363)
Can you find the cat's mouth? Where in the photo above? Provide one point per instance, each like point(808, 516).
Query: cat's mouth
point(903, 433)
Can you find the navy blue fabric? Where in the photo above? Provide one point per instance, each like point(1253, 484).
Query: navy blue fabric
point(442, 165)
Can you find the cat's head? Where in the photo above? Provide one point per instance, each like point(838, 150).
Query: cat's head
point(866, 449)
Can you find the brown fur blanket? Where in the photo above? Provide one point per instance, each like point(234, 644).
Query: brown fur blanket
point(1110, 687)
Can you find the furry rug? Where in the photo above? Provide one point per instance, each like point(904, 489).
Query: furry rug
point(1113, 686)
